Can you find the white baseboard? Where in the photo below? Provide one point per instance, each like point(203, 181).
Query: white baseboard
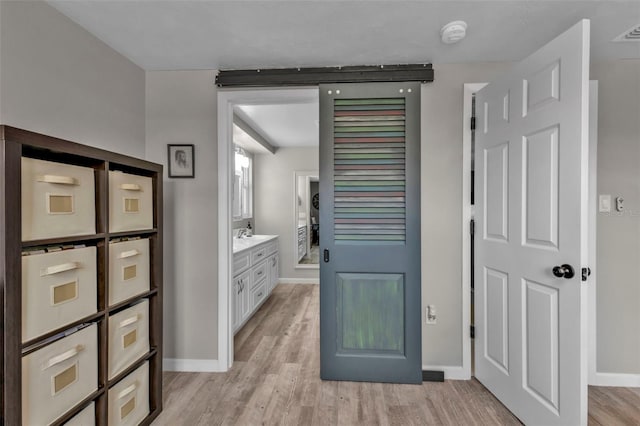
point(450, 372)
point(616, 379)
point(193, 365)
point(299, 281)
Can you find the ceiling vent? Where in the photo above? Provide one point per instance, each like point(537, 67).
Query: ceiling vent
point(632, 34)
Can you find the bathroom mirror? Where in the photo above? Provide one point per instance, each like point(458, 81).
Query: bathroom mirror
point(306, 218)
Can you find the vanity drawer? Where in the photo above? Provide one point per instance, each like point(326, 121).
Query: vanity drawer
point(258, 294)
point(128, 337)
point(128, 269)
point(241, 262)
point(129, 399)
point(271, 247)
point(130, 202)
point(260, 272)
point(57, 288)
point(57, 200)
point(59, 376)
point(258, 254)
point(86, 417)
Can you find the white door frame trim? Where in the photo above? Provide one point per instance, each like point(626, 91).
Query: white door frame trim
point(227, 99)
point(593, 217)
point(467, 215)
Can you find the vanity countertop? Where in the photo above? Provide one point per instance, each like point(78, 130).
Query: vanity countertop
point(245, 243)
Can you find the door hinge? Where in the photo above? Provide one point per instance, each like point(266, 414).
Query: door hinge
point(472, 331)
point(472, 227)
point(586, 272)
point(473, 123)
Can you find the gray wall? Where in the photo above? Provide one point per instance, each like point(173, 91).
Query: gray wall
point(273, 201)
point(181, 107)
point(441, 174)
point(58, 79)
point(618, 248)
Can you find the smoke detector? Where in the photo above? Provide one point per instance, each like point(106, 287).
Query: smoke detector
point(632, 34)
point(453, 32)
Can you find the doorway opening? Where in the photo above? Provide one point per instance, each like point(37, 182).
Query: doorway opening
point(227, 102)
point(468, 214)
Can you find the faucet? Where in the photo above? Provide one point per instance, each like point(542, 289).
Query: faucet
point(242, 232)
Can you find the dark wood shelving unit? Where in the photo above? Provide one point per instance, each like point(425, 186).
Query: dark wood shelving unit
point(17, 143)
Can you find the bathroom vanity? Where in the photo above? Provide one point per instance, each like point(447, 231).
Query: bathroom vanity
point(255, 274)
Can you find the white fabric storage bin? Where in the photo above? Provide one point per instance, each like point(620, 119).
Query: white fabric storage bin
point(128, 269)
point(129, 398)
point(128, 337)
point(57, 289)
point(59, 376)
point(130, 202)
point(58, 200)
point(86, 417)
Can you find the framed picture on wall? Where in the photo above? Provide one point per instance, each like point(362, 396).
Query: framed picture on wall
point(180, 158)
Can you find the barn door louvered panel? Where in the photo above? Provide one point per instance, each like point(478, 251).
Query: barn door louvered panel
point(370, 232)
point(369, 171)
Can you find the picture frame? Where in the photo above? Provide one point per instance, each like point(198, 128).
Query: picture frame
point(181, 161)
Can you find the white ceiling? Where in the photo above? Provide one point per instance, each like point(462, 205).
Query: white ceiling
point(241, 34)
point(215, 34)
point(284, 125)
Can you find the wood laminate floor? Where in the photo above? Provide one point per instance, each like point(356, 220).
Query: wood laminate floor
point(275, 380)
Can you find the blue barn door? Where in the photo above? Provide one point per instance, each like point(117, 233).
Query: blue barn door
point(370, 320)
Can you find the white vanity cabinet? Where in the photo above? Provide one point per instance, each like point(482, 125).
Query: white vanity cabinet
point(255, 274)
point(240, 290)
point(273, 271)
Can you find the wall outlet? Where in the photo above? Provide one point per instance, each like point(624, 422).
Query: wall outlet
point(431, 314)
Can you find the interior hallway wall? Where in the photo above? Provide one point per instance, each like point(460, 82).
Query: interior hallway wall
point(274, 202)
point(441, 203)
point(618, 234)
point(58, 79)
point(181, 107)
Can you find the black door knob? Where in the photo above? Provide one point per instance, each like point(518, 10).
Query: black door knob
point(564, 271)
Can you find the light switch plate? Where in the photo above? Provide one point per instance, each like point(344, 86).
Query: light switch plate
point(604, 203)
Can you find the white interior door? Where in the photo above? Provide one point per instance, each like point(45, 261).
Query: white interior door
point(531, 186)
